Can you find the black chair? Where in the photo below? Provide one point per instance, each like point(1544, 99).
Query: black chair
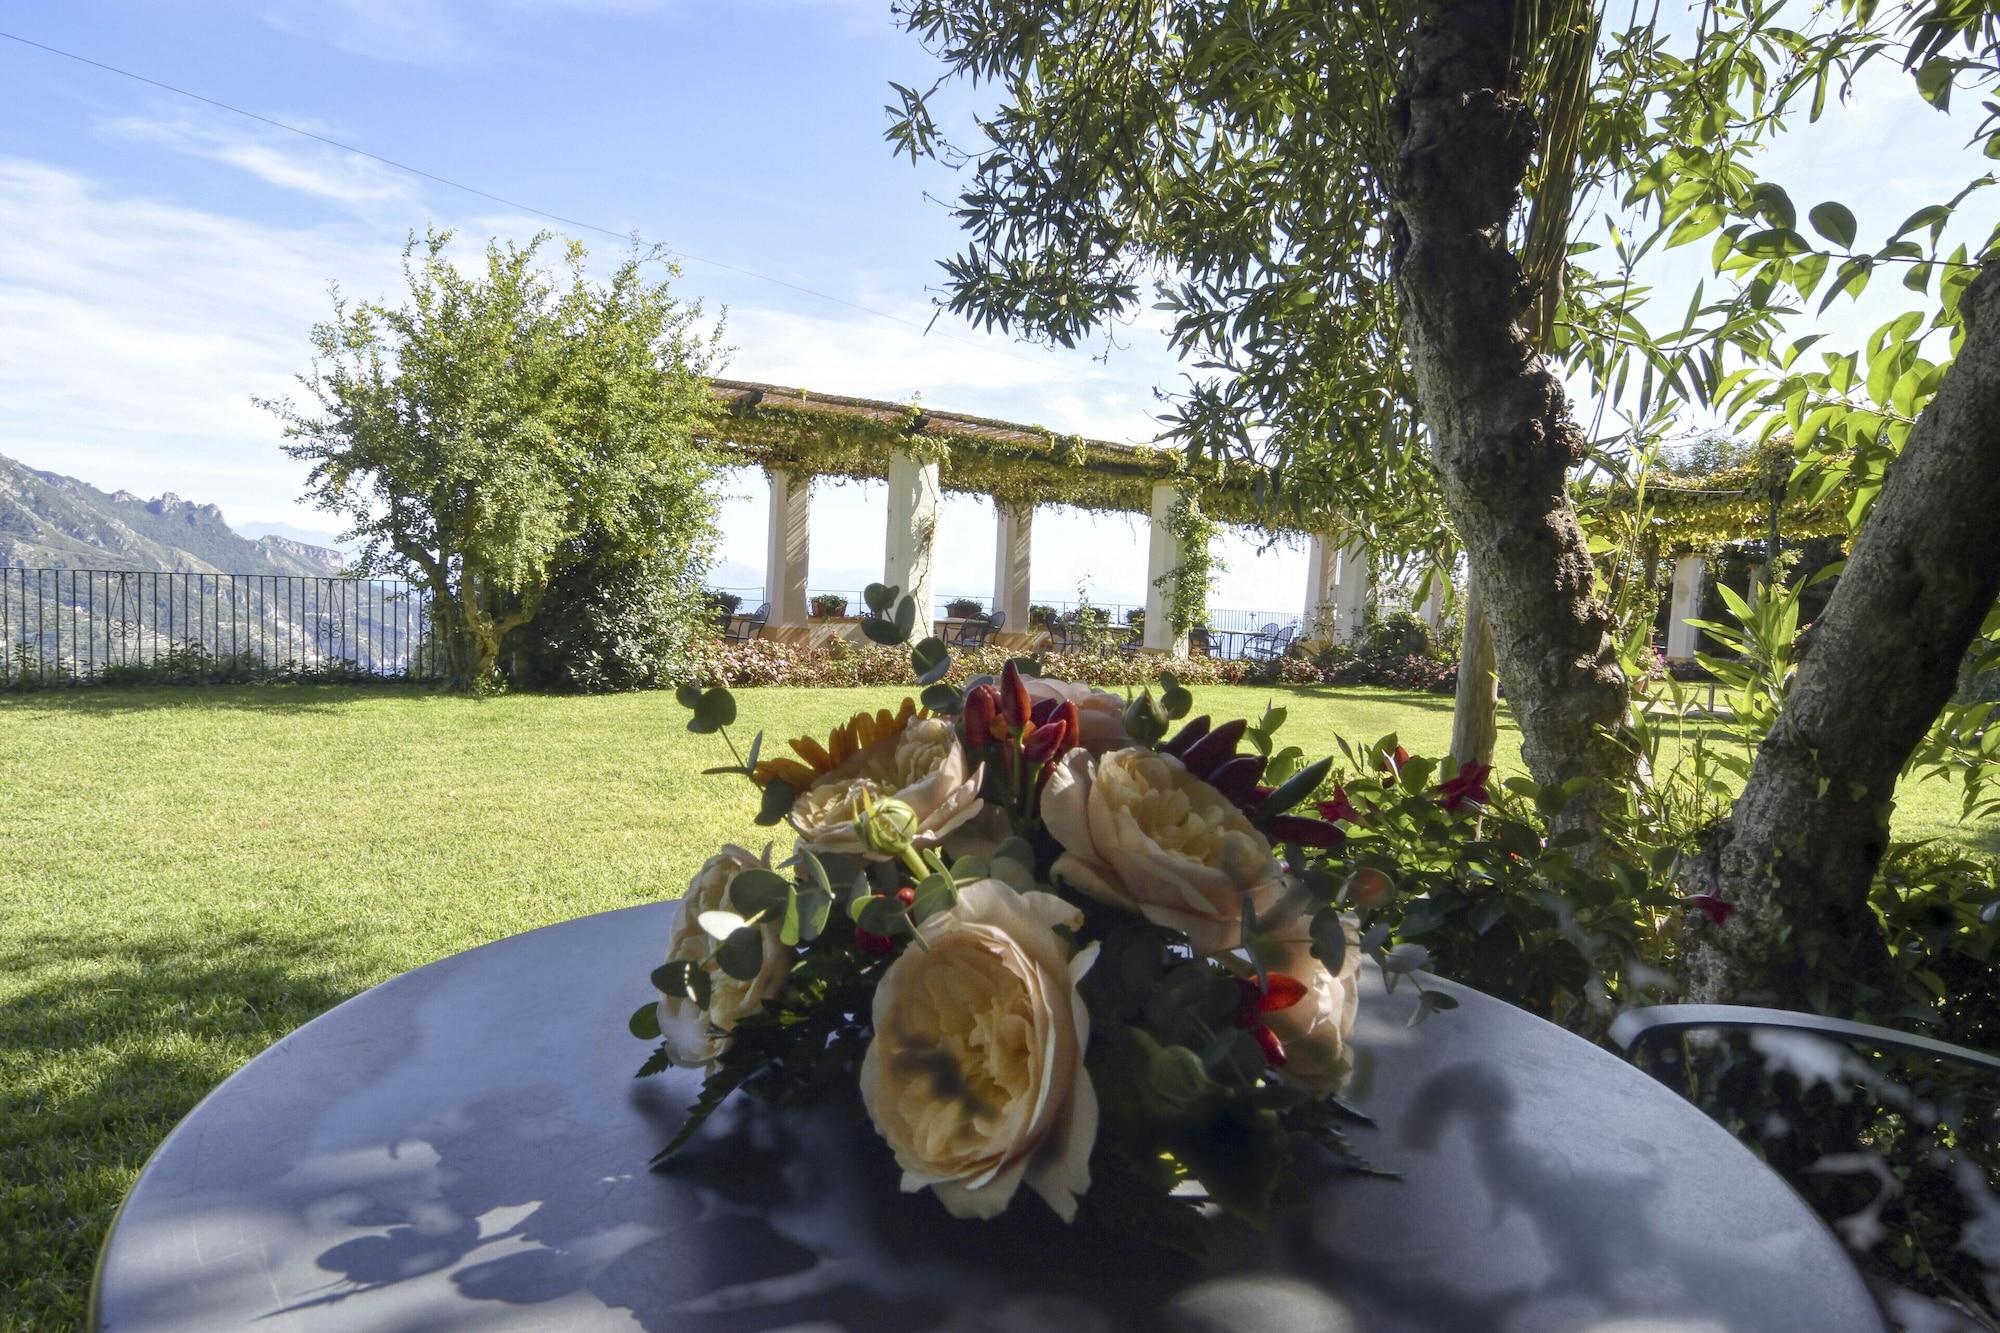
point(1199, 644)
point(1264, 644)
point(742, 629)
point(975, 633)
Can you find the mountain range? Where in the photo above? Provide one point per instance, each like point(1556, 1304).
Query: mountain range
point(55, 522)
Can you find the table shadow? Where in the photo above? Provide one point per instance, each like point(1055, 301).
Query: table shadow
point(774, 1220)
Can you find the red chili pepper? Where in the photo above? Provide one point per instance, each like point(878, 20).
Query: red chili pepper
point(1015, 705)
point(1274, 1050)
point(982, 716)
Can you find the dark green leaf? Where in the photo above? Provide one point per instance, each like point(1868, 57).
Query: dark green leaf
point(1294, 789)
point(742, 954)
point(936, 894)
point(645, 1022)
point(759, 891)
point(880, 597)
point(942, 698)
point(930, 659)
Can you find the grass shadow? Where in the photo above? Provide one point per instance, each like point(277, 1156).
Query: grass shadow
point(108, 1044)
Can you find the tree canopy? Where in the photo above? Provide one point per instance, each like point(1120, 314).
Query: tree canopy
point(475, 435)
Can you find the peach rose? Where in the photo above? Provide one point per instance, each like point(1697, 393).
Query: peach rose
point(696, 1036)
point(975, 1076)
point(1141, 832)
point(1315, 1030)
point(921, 764)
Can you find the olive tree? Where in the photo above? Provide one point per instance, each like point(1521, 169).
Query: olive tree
point(1360, 220)
point(506, 420)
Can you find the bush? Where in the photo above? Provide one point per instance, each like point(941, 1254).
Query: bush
point(827, 605)
point(721, 606)
point(608, 624)
point(964, 608)
point(1398, 634)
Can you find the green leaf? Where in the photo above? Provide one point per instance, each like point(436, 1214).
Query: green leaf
point(1294, 789)
point(930, 659)
point(942, 698)
point(883, 632)
point(881, 914)
point(906, 619)
point(1018, 850)
point(759, 892)
point(1833, 221)
point(742, 955)
point(880, 597)
point(1329, 939)
point(936, 894)
point(645, 1022)
point(689, 696)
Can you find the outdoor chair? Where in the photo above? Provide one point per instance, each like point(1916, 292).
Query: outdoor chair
point(975, 633)
point(742, 629)
point(1263, 645)
point(1199, 643)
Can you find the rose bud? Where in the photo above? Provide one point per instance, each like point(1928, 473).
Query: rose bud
point(886, 826)
point(1237, 778)
point(1195, 729)
point(1041, 744)
point(1044, 709)
point(1015, 705)
point(982, 715)
point(1208, 754)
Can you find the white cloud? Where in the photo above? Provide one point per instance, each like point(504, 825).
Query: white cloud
point(279, 159)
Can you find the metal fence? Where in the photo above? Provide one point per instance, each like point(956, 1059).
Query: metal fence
point(70, 626)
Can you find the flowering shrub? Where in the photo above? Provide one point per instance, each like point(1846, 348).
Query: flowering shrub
point(762, 662)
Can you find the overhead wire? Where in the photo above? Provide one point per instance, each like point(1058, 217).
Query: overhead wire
point(580, 224)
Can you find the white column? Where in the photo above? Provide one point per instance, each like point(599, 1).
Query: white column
point(908, 562)
point(787, 547)
point(1350, 599)
point(1322, 579)
point(1683, 638)
point(1432, 611)
point(1012, 547)
point(1163, 557)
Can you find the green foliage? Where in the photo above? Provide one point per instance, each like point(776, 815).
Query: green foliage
point(1186, 586)
point(503, 421)
point(614, 620)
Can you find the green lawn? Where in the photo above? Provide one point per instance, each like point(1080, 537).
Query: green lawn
point(185, 875)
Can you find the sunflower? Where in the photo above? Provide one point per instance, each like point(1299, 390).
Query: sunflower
point(848, 739)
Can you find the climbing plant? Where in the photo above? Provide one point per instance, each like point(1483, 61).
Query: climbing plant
point(1186, 586)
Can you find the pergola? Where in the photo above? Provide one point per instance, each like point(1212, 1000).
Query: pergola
point(797, 434)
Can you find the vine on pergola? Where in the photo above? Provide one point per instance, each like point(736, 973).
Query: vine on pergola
point(825, 435)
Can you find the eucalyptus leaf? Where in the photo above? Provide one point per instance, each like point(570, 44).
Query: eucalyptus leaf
point(880, 597)
point(883, 915)
point(645, 1022)
point(741, 955)
point(938, 893)
point(930, 659)
point(779, 795)
point(759, 892)
point(720, 925)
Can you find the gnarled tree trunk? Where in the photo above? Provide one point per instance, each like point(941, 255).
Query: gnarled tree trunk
point(1502, 435)
point(1797, 855)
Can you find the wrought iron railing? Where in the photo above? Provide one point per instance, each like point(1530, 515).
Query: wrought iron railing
point(71, 626)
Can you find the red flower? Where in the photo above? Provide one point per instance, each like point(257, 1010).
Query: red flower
point(982, 716)
point(1711, 907)
point(1015, 705)
point(1042, 743)
point(1467, 785)
point(1339, 808)
point(1393, 763)
point(1306, 832)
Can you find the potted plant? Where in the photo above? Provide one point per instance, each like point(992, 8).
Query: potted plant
point(964, 608)
point(827, 605)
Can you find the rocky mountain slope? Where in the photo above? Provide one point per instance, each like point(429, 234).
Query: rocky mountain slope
point(58, 522)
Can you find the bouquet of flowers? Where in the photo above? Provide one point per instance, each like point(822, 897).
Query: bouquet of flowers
point(1060, 939)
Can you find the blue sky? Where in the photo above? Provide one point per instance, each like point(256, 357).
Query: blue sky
point(165, 259)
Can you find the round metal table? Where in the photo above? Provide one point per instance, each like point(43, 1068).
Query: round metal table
point(464, 1147)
